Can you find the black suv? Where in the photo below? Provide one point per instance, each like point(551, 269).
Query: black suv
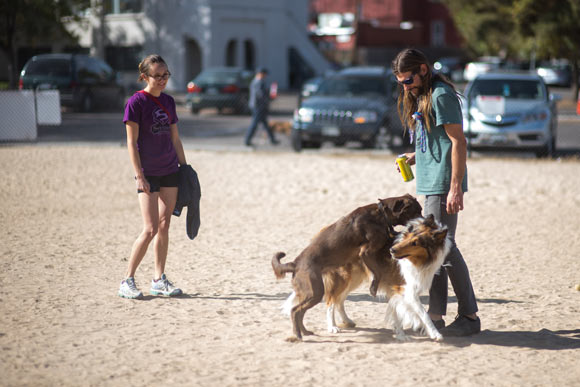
point(84, 82)
point(355, 104)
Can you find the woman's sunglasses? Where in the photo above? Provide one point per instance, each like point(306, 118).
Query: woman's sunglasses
point(408, 81)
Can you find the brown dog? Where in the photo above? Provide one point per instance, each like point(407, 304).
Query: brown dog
point(363, 234)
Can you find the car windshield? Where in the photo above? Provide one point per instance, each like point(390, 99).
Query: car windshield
point(49, 67)
point(508, 88)
point(217, 77)
point(352, 86)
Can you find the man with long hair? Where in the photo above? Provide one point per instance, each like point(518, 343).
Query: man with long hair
point(429, 107)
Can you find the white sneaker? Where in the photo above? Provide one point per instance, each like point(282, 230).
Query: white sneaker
point(164, 287)
point(128, 289)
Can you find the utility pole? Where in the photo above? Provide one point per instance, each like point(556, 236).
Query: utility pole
point(357, 17)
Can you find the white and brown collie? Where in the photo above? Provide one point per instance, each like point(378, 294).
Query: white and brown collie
point(418, 252)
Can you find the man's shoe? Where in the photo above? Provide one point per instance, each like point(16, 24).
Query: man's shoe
point(462, 326)
point(128, 289)
point(164, 287)
point(439, 324)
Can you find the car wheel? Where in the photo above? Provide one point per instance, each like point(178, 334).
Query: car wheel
point(87, 103)
point(311, 144)
point(296, 140)
point(242, 106)
point(194, 110)
point(547, 150)
point(370, 143)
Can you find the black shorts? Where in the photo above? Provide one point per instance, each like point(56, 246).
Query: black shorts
point(156, 182)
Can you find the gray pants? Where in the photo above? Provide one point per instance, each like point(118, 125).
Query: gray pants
point(454, 265)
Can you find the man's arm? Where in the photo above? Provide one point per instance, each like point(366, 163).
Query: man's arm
point(458, 160)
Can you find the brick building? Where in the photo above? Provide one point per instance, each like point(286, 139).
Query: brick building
point(372, 31)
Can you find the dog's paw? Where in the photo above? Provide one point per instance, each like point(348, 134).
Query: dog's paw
point(374, 287)
point(438, 337)
point(333, 330)
point(347, 324)
point(307, 333)
point(293, 339)
point(402, 337)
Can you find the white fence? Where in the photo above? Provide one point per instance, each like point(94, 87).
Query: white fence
point(22, 111)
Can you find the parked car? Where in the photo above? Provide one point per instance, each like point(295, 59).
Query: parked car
point(309, 87)
point(84, 82)
point(556, 73)
point(220, 88)
point(354, 104)
point(481, 66)
point(510, 111)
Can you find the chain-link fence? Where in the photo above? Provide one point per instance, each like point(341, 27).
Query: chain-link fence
point(23, 110)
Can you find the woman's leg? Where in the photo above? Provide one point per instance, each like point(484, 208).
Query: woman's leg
point(167, 199)
point(148, 202)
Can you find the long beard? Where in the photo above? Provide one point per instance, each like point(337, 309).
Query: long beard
point(418, 91)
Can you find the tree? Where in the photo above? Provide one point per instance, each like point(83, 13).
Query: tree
point(487, 26)
point(553, 24)
point(29, 22)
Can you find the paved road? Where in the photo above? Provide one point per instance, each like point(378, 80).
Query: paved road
point(210, 130)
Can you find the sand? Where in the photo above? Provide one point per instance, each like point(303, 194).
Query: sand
point(70, 216)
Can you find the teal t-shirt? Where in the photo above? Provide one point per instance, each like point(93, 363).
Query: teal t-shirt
point(433, 167)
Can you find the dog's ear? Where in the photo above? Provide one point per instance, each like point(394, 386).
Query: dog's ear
point(430, 220)
point(396, 206)
point(440, 235)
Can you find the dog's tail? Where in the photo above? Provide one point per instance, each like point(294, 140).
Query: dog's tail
point(280, 269)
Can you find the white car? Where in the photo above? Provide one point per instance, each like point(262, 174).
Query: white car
point(482, 66)
point(510, 111)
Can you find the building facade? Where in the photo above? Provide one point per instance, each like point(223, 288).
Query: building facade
point(373, 31)
point(192, 35)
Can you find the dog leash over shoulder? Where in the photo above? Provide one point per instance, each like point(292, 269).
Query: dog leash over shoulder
point(154, 99)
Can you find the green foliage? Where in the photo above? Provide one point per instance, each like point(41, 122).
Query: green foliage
point(32, 22)
point(552, 23)
point(487, 25)
point(513, 28)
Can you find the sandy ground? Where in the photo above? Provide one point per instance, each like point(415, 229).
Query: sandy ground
point(70, 216)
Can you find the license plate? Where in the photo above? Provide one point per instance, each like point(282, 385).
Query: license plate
point(196, 99)
point(330, 131)
point(212, 90)
point(497, 139)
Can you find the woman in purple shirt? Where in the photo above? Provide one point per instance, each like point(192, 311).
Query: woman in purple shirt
point(156, 153)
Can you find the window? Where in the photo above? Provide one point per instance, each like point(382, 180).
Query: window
point(437, 33)
point(123, 58)
point(123, 6)
point(231, 53)
point(51, 67)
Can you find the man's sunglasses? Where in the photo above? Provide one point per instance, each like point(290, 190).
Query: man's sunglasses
point(408, 81)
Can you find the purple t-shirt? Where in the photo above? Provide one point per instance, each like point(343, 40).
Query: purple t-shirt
point(156, 150)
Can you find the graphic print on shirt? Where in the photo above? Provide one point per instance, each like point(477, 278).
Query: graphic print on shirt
point(160, 121)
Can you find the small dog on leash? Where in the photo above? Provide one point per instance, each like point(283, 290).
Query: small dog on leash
point(365, 234)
